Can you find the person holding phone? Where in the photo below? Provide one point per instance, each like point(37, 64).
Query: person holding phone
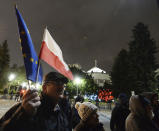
point(39, 113)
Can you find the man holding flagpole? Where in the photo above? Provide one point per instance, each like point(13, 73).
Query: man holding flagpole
point(41, 113)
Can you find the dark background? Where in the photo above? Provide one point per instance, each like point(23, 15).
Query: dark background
point(84, 29)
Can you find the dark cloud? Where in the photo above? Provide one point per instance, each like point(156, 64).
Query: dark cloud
point(85, 29)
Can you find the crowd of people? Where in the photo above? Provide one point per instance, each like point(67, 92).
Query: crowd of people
point(52, 111)
point(16, 94)
point(139, 113)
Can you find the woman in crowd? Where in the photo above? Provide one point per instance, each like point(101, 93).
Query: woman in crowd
point(89, 117)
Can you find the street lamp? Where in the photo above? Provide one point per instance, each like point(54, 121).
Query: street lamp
point(77, 81)
point(11, 77)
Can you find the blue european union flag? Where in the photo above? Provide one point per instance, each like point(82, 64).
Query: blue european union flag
point(29, 53)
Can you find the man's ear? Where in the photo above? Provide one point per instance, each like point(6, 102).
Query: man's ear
point(44, 88)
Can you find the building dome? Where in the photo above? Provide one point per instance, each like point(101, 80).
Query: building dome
point(96, 69)
point(100, 76)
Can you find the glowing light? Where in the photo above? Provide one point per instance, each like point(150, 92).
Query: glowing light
point(11, 77)
point(77, 81)
point(105, 95)
point(24, 84)
point(38, 86)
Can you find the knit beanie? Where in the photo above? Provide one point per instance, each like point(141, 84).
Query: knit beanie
point(85, 109)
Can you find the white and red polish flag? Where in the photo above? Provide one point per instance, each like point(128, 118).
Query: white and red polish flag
point(51, 53)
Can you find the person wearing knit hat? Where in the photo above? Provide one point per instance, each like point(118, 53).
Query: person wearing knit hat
point(89, 117)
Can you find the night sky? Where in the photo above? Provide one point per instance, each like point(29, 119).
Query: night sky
point(84, 29)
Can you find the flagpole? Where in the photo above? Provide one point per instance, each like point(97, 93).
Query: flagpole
point(39, 61)
point(29, 85)
point(15, 5)
point(37, 72)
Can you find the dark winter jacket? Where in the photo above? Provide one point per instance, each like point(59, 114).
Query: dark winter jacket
point(75, 117)
point(46, 118)
point(118, 117)
point(151, 96)
point(65, 106)
point(82, 126)
point(139, 119)
point(156, 114)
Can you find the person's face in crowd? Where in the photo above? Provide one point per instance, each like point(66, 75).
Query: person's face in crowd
point(53, 90)
point(93, 119)
point(120, 101)
point(155, 100)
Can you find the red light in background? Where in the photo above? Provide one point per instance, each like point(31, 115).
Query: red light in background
point(105, 95)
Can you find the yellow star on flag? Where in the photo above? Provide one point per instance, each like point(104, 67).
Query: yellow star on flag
point(20, 40)
point(31, 59)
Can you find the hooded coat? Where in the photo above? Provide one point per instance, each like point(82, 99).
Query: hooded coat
point(139, 119)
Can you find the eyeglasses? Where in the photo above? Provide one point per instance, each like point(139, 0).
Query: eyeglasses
point(59, 86)
point(59, 83)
